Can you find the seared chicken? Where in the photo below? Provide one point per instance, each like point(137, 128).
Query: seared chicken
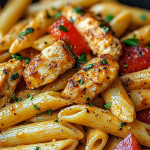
point(10, 75)
point(94, 77)
point(47, 66)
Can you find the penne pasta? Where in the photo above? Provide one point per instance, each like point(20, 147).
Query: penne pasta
point(136, 80)
point(68, 144)
point(11, 13)
point(121, 106)
point(36, 28)
point(96, 139)
point(28, 108)
point(38, 132)
point(43, 42)
point(103, 119)
point(121, 22)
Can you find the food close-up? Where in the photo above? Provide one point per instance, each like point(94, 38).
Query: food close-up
point(74, 75)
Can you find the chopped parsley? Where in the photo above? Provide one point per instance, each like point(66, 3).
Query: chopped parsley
point(81, 81)
point(106, 29)
point(14, 76)
point(148, 46)
point(4, 71)
point(143, 17)
point(90, 104)
point(101, 25)
point(58, 15)
point(125, 65)
point(89, 66)
point(15, 98)
point(140, 53)
point(31, 97)
point(107, 106)
point(56, 120)
point(36, 107)
point(19, 57)
point(82, 58)
point(49, 112)
point(131, 42)
point(109, 18)
point(27, 31)
point(122, 124)
point(87, 99)
point(62, 28)
point(71, 20)
point(37, 148)
point(48, 15)
point(134, 36)
point(77, 10)
point(105, 62)
point(53, 8)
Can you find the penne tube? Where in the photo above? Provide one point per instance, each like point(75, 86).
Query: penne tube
point(96, 139)
point(121, 105)
point(105, 8)
point(4, 57)
point(103, 119)
point(28, 108)
point(136, 80)
point(140, 98)
point(9, 38)
point(68, 144)
point(43, 42)
point(36, 28)
point(61, 82)
point(142, 34)
point(121, 22)
point(38, 132)
point(112, 143)
point(44, 116)
point(11, 13)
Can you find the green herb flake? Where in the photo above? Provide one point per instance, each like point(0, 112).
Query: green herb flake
point(49, 112)
point(125, 66)
point(56, 120)
point(131, 42)
point(58, 15)
point(37, 148)
point(53, 8)
point(90, 104)
point(109, 18)
point(71, 20)
point(105, 62)
point(4, 71)
point(62, 28)
point(101, 25)
point(31, 97)
point(48, 15)
point(122, 124)
point(106, 29)
point(27, 31)
point(15, 98)
point(89, 66)
point(77, 10)
point(14, 76)
point(134, 36)
point(87, 99)
point(148, 47)
point(140, 53)
point(36, 107)
point(107, 106)
point(143, 17)
point(81, 81)
point(82, 58)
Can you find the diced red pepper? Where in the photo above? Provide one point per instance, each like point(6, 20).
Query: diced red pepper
point(134, 58)
point(76, 39)
point(129, 143)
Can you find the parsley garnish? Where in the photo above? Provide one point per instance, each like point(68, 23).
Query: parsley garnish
point(71, 20)
point(122, 124)
point(37, 148)
point(19, 57)
point(28, 30)
point(36, 107)
point(101, 25)
point(140, 53)
point(49, 112)
point(134, 36)
point(106, 29)
point(77, 10)
point(14, 76)
point(56, 120)
point(15, 98)
point(4, 71)
point(58, 15)
point(87, 99)
point(131, 42)
point(62, 28)
point(109, 18)
point(125, 65)
point(105, 62)
point(53, 8)
point(82, 58)
point(31, 97)
point(81, 81)
point(148, 47)
point(107, 106)
point(143, 17)
point(90, 104)
point(89, 66)
point(47, 13)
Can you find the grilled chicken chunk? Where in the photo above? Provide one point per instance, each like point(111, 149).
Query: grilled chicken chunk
point(99, 37)
point(10, 75)
point(53, 61)
point(94, 77)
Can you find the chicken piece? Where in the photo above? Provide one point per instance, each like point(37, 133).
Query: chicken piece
point(94, 77)
point(47, 66)
point(100, 38)
point(10, 75)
